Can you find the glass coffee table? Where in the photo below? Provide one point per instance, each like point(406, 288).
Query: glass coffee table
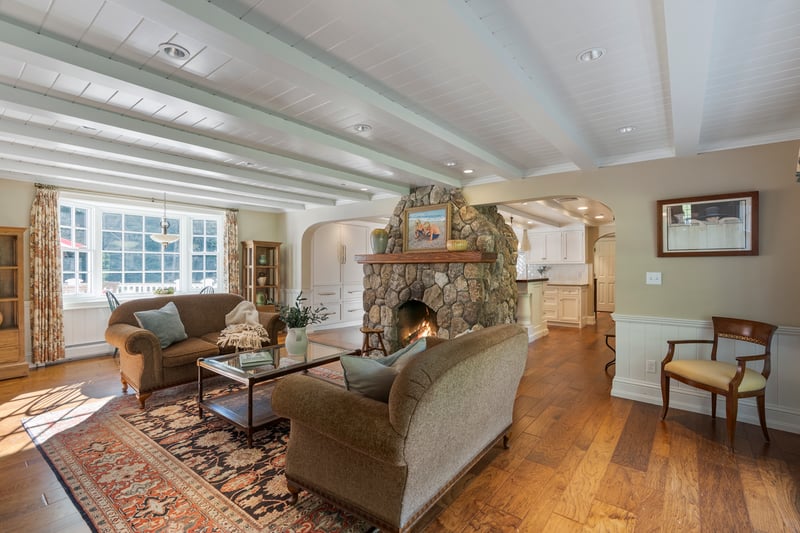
point(264, 365)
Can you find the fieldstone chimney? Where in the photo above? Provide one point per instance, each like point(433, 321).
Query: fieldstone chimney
point(464, 295)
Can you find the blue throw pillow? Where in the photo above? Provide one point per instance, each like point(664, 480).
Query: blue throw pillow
point(374, 377)
point(165, 323)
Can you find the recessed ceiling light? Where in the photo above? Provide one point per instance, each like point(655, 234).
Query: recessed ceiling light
point(450, 163)
point(363, 189)
point(591, 54)
point(626, 129)
point(468, 171)
point(599, 217)
point(175, 51)
point(362, 128)
point(530, 222)
point(582, 208)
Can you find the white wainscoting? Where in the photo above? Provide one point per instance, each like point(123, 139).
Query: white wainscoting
point(84, 332)
point(643, 338)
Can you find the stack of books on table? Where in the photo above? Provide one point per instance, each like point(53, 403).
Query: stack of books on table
point(254, 359)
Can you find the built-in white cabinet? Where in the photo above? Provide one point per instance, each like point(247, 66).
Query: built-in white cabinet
point(566, 304)
point(337, 280)
point(562, 246)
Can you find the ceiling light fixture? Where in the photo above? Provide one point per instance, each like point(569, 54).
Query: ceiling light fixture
point(599, 217)
point(362, 128)
point(450, 164)
point(626, 129)
point(164, 238)
point(175, 51)
point(591, 54)
point(582, 208)
point(468, 171)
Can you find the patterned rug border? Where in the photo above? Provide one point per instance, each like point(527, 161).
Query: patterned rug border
point(50, 432)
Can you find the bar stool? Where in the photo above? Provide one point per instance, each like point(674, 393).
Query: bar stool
point(366, 347)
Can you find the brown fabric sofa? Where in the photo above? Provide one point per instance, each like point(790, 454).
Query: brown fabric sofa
point(390, 462)
point(146, 367)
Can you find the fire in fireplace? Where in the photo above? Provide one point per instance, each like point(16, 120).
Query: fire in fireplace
point(414, 321)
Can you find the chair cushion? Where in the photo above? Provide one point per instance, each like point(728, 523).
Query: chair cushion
point(374, 377)
point(165, 323)
point(716, 374)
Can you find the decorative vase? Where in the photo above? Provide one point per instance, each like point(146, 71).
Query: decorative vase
point(261, 280)
point(379, 238)
point(456, 245)
point(296, 341)
point(261, 298)
point(262, 259)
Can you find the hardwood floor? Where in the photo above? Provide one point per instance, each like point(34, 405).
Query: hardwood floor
point(579, 459)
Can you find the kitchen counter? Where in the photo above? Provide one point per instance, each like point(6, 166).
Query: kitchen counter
point(529, 307)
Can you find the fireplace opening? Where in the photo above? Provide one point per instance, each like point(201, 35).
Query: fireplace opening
point(414, 321)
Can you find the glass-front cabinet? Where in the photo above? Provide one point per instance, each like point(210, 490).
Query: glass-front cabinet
point(261, 273)
point(12, 345)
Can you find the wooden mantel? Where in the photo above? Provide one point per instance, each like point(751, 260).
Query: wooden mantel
point(427, 257)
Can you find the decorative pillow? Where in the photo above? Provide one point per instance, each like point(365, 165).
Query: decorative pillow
point(374, 377)
point(165, 323)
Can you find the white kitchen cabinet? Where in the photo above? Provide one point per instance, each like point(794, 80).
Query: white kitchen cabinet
point(337, 279)
point(553, 247)
point(566, 304)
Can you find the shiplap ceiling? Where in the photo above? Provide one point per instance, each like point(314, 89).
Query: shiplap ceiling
point(262, 114)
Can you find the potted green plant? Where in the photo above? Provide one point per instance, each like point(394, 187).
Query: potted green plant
point(297, 317)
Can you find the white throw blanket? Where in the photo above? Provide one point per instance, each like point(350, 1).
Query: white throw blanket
point(243, 328)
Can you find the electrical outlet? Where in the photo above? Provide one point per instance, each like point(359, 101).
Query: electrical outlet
point(651, 366)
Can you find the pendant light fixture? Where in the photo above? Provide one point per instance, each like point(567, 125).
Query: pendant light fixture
point(164, 238)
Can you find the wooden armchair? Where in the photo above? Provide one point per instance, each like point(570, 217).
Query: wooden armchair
point(734, 381)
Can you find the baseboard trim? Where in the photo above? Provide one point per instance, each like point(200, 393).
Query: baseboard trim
point(697, 401)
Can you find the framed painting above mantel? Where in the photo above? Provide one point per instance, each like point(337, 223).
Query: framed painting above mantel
point(426, 228)
point(715, 225)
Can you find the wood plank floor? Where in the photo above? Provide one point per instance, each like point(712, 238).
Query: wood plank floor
point(579, 459)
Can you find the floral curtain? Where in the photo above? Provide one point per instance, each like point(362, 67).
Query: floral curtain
point(232, 261)
point(47, 318)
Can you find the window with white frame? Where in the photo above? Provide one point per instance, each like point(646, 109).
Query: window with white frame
point(106, 246)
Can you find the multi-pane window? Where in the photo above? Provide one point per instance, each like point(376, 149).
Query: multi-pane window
point(204, 252)
point(108, 248)
point(75, 253)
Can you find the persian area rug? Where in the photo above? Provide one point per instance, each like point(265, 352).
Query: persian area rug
point(165, 469)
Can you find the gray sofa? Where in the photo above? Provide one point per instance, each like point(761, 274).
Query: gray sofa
point(146, 366)
point(390, 462)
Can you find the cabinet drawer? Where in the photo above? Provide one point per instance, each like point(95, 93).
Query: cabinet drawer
point(334, 313)
point(570, 291)
point(352, 291)
point(327, 293)
point(352, 310)
point(9, 345)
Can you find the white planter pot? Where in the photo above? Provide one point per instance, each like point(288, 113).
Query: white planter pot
point(296, 342)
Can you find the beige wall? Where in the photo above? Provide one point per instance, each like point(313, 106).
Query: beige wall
point(763, 287)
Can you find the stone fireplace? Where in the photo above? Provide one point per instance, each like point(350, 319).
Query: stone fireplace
point(466, 290)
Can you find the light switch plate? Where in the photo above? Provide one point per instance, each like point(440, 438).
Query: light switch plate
point(653, 278)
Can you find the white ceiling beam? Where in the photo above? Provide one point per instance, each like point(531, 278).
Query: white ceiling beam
point(49, 107)
point(114, 168)
point(54, 54)
point(522, 214)
point(90, 181)
point(220, 29)
point(689, 28)
point(61, 140)
point(467, 41)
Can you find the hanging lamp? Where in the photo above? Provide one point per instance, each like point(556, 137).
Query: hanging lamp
point(164, 238)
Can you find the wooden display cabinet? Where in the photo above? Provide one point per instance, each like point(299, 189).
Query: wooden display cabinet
point(12, 341)
point(261, 273)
